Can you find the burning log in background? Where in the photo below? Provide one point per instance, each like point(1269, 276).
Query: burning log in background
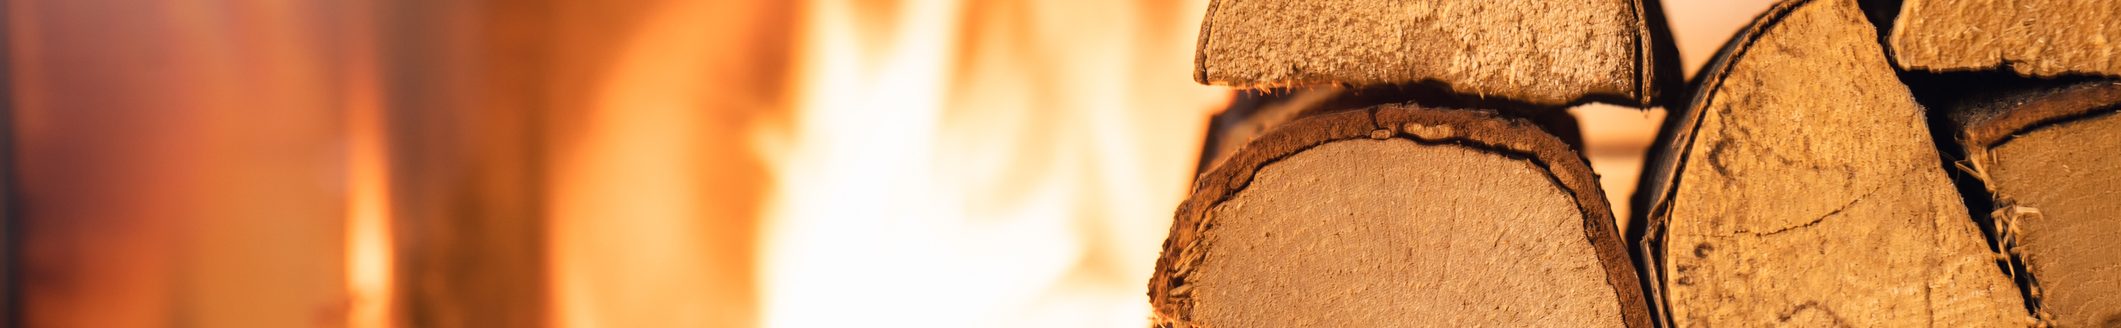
point(600, 163)
point(205, 165)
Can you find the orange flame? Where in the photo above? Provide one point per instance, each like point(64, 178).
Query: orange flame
point(368, 236)
point(369, 242)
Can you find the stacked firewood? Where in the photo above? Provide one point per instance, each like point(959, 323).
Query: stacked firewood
point(1840, 162)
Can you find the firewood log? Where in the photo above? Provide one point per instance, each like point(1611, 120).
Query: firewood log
point(1801, 186)
point(1398, 215)
point(2048, 158)
point(1547, 53)
point(2031, 37)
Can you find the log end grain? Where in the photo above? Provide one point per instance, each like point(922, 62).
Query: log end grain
point(2053, 167)
point(2069, 175)
point(1808, 192)
point(1398, 215)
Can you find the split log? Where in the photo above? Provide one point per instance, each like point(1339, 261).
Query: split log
point(1547, 53)
point(1398, 215)
point(2041, 38)
point(2048, 159)
point(1801, 187)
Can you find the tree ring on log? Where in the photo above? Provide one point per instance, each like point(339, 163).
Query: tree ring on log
point(1318, 224)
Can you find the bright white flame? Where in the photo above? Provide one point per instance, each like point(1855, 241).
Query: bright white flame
point(860, 233)
point(937, 179)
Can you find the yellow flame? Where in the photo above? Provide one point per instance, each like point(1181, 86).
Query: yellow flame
point(369, 241)
point(368, 253)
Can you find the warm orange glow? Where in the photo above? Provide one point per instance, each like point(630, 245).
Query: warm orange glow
point(368, 237)
point(369, 243)
point(652, 198)
point(625, 210)
point(650, 163)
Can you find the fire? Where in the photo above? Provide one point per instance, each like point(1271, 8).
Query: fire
point(369, 269)
point(654, 194)
point(980, 164)
point(694, 163)
point(368, 236)
point(940, 163)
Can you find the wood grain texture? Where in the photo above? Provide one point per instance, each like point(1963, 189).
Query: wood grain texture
point(2031, 37)
point(1538, 52)
point(1802, 188)
point(1398, 215)
point(2049, 159)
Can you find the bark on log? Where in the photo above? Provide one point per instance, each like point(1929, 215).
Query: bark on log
point(2041, 38)
point(1801, 187)
point(1398, 215)
point(1547, 53)
point(1255, 112)
point(2048, 159)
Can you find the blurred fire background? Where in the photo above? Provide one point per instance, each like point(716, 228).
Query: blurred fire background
point(641, 163)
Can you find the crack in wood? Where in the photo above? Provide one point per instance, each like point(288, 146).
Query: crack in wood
point(1812, 306)
point(1821, 218)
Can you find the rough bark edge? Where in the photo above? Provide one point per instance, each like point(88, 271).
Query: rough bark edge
point(1675, 139)
point(1996, 123)
point(1985, 125)
point(1268, 108)
point(1662, 82)
point(1200, 45)
point(1482, 130)
point(1654, 83)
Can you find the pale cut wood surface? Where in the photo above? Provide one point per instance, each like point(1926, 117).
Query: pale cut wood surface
point(2070, 174)
point(2049, 159)
point(1809, 192)
point(1539, 52)
point(1398, 215)
point(2032, 37)
point(1395, 233)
